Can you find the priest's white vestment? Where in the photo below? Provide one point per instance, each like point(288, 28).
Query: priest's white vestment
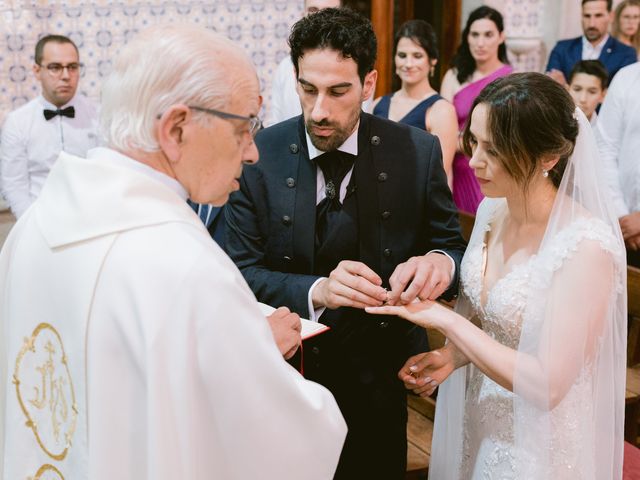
point(132, 348)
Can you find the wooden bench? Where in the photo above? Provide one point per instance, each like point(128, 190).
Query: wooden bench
point(421, 412)
point(419, 433)
point(632, 398)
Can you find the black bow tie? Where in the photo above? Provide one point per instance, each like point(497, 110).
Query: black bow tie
point(65, 112)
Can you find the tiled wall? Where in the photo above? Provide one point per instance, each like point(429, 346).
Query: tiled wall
point(101, 27)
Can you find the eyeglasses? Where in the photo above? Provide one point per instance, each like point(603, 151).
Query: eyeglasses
point(56, 69)
point(255, 124)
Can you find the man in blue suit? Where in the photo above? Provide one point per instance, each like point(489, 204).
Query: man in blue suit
point(594, 44)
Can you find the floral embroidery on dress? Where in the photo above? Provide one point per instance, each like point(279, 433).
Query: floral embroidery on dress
point(488, 444)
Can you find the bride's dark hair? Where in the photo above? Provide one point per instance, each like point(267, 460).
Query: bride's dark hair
point(530, 117)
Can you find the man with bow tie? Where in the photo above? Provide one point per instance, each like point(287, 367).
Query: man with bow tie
point(347, 210)
point(57, 120)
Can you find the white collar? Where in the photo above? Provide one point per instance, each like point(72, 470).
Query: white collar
point(48, 105)
point(128, 162)
point(597, 46)
point(350, 145)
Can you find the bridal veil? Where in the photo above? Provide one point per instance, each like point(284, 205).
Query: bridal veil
point(568, 422)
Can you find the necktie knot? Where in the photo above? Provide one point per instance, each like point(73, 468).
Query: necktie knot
point(64, 112)
point(335, 166)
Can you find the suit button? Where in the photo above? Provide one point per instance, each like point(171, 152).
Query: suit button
point(383, 324)
point(286, 220)
point(293, 148)
point(286, 258)
point(382, 177)
point(386, 252)
point(290, 182)
point(375, 140)
point(385, 215)
point(315, 350)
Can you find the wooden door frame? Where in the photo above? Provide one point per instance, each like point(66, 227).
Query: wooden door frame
point(382, 18)
point(382, 14)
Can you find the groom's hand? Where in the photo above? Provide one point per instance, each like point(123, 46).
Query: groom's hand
point(351, 284)
point(423, 373)
point(427, 278)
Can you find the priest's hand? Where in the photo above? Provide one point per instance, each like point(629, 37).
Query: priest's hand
point(430, 276)
point(351, 284)
point(286, 328)
point(423, 373)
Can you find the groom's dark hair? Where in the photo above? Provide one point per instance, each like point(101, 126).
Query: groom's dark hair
point(339, 29)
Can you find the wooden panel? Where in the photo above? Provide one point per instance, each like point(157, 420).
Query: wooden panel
point(451, 31)
point(467, 221)
point(436, 339)
point(7, 217)
point(382, 20)
point(633, 381)
point(406, 10)
point(419, 431)
point(633, 291)
point(424, 406)
point(417, 463)
point(633, 304)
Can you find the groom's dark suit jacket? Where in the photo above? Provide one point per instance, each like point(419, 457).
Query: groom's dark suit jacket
point(403, 208)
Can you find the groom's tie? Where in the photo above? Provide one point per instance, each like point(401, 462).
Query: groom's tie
point(334, 165)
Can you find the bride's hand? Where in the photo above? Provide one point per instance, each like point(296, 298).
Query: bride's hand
point(423, 373)
point(427, 314)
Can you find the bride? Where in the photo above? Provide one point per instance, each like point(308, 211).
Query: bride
point(538, 338)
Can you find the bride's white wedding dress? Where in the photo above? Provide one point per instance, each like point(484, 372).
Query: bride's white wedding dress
point(488, 448)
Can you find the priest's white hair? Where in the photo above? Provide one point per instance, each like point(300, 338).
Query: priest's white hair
point(163, 66)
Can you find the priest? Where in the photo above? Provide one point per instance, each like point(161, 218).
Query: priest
point(131, 346)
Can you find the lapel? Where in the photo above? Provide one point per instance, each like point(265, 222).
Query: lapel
point(366, 170)
point(575, 52)
point(303, 171)
point(607, 49)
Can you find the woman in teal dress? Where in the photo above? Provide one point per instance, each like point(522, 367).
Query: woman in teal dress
point(417, 103)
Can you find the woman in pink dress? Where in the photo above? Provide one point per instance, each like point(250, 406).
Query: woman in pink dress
point(480, 59)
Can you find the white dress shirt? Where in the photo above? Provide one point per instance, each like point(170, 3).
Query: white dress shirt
point(591, 52)
point(350, 145)
point(285, 102)
point(31, 144)
point(618, 135)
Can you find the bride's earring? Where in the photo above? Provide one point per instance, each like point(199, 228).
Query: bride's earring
point(545, 173)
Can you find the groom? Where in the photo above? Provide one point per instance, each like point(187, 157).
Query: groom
point(346, 210)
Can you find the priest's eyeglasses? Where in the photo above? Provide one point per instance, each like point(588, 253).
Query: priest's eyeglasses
point(255, 124)
point(56, 69)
